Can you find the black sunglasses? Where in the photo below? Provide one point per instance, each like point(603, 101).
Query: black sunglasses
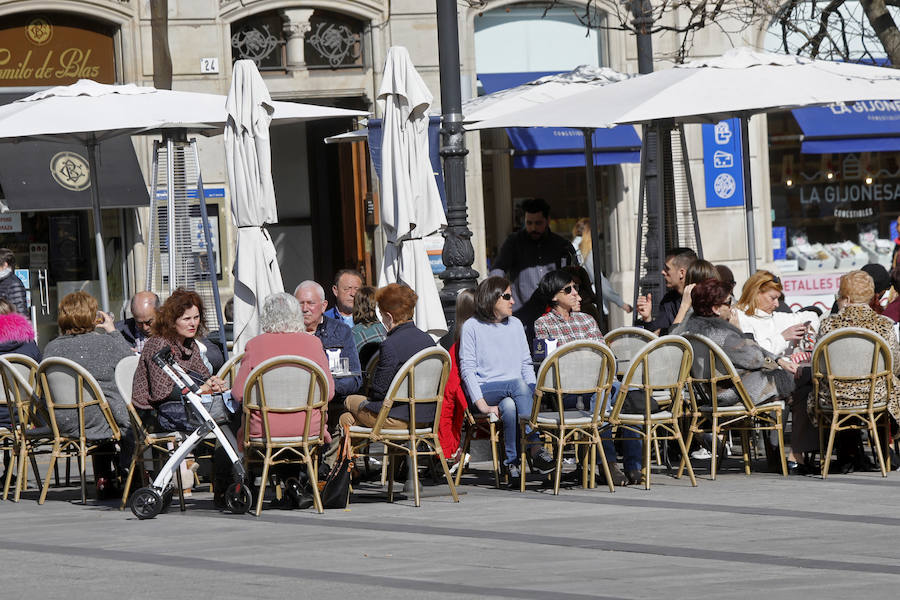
point(568, 289)
point(506, 296)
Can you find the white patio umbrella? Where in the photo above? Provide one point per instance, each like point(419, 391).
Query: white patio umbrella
point(248, 160)
point(88, 112)
point(410, 202)
point(740, 83)
point(537, 92)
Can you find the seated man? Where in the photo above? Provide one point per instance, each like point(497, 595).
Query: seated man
point(674, 272)
point(333, 334)
point(396, 303)
point(346, 283)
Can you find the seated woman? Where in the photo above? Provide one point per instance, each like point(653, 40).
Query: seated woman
point(90, 339)
point(496, 369)
point(780, 333)
point(699, 270)
point(178, 324)
point(855, 294)
point(368, 332)
point(565, 323)
point(764, 374)
point(283, 333)
point(397, 303)
point(453, 410)
point(16, 333)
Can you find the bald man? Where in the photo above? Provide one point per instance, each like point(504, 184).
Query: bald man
point(136, 329)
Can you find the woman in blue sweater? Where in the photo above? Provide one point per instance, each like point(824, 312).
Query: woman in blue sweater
point(496, 369)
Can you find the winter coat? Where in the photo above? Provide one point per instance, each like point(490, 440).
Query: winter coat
point(758, 368)
point(12, 289)
point(17, 336)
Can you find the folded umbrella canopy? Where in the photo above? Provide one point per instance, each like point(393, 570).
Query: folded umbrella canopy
point(410, 202)
point(248, 159)
point(88, 112)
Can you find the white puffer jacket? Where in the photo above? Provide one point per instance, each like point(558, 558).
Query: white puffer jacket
point(767, 328)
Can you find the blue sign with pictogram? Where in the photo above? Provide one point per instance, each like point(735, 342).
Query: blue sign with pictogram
point(722, 164)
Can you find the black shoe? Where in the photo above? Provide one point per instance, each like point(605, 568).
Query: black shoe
point(635, 477)
point(542, 462)
point(513, 474)
point(300, 495)
point(283, 503)
point(618, 477)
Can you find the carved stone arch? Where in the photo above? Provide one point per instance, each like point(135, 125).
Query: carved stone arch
point(117, 14)
point(364, 10)
point(608, 6)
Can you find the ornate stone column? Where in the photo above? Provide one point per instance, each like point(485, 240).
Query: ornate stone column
point(296, 26)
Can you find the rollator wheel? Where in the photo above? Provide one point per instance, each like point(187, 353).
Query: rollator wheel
point(167, 498)
point(238, 498)
point(146, 503)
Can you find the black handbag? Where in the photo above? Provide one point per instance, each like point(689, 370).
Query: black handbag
point(634, 403)
point(335, 490)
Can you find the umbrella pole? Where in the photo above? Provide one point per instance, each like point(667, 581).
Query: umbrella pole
point(98, 232)
point(748, 192)
point(592, 214)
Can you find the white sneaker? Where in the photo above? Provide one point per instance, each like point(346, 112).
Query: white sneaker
point(464, 461)
point(701, 454)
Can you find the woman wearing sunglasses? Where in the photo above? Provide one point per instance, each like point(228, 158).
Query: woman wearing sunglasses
point(564, 322)
point(495, 365)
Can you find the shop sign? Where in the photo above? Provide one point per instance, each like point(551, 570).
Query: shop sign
point(53, 49)
point(10, 223)
point(815, 289)
point(849, 192)
point(722, 164)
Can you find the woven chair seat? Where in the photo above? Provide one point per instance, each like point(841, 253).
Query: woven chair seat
point(657, 416)
point(294, 439)
point(572, 417)
point(827, 407)
point(739, 408)
point(368, 430)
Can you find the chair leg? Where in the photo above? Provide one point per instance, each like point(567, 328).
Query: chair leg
point(137, 450)
point(440, 454)
point(314, 480)
point(522, 461)
point(53, 458)
point(714, 447)
point(826, 458)
point(13, 465)
point(690, 440)
point(887, 442)
point(648, 442)
point(384, 455)
point(559, 459)
point(495, 441)
point(22, 478)
point(680, 441)
point(780, 423)
point(598, 445)
point(82, 473)
point(392, 472)
point(873, 431)
point(68, 470)
point(414, 475)
point(465, 450)
point(745, 450)
point(264, 480)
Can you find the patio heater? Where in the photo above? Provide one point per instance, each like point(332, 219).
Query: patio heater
point(181, 252)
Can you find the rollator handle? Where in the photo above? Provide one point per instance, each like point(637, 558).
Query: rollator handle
point(163, 358)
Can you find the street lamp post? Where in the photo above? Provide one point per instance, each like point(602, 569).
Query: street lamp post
point(458, 255)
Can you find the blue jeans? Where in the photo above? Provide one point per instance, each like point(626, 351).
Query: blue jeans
point(631, 442)
point(514, 398)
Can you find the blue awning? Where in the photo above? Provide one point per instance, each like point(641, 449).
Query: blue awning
point(867, 126)
point(557, 147)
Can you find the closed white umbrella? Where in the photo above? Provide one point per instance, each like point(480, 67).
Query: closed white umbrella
point(248, 160)
point(410, 202)
point(88, 112)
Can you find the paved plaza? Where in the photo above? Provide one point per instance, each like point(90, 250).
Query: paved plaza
point(761, 536)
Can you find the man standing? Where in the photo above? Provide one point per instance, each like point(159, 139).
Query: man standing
point(334, 334)
point(677, 262)
point(346, 283)
point(532, 252)
point(136, 328)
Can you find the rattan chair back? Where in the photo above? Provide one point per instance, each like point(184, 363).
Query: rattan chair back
point(625, 343)
point(420, 381)
point(582, 368)
point(67, 387)
point(853, 355)
point(229, 370)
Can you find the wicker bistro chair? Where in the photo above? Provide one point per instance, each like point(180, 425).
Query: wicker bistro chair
point(480, 424)
point(855, 357)
point(420, 381)
point(625, 343)
point(162, 443)
point(230, 369)
point(27, 435)
point(712, 371)
point(579, 368)
point(285, 385)
point(661, 367)
point(68, 388)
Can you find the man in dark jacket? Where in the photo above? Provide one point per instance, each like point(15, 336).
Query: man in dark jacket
point(532, 252)
point(11, 287)
point(677, 262)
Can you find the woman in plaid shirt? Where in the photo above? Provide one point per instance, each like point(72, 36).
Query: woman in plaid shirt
point(564, 322)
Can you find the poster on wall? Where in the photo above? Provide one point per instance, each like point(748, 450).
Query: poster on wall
point(722, 164)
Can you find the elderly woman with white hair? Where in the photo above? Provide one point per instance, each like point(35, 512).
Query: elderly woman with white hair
point(284, 333)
